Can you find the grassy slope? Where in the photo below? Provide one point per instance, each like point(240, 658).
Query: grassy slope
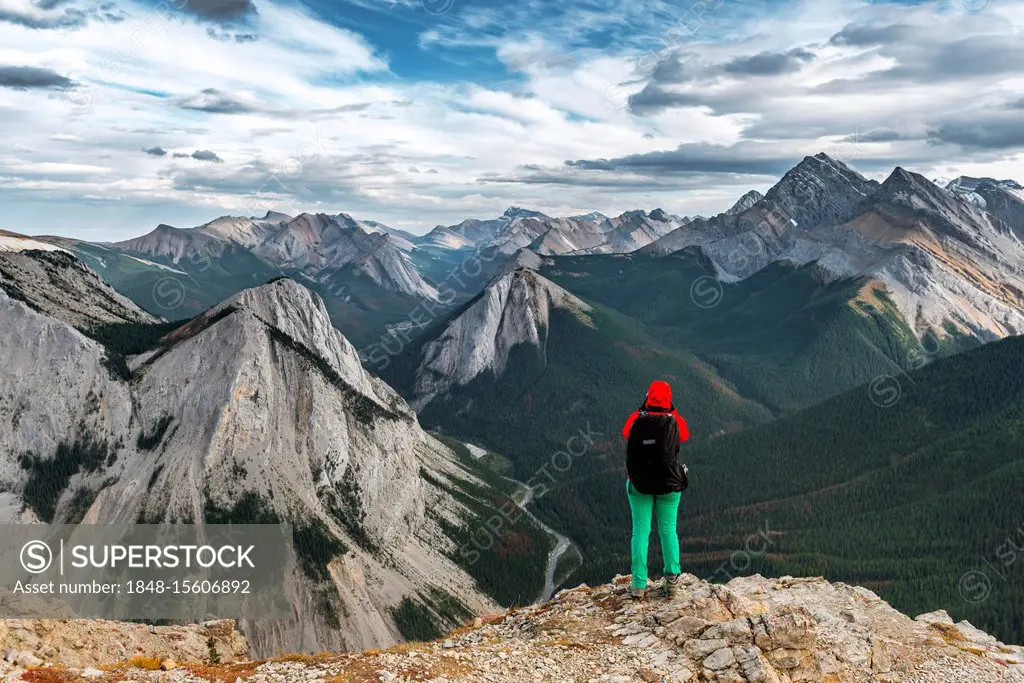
point(781, 336)
point(503, 549)
point(173, 295)
point(586, 379)
point(358, 306)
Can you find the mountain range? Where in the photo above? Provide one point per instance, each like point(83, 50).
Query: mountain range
point(257, 411)
point(949, 256)
point(296, 361)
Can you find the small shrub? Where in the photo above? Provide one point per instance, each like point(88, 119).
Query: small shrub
point(213, 656)
point(148, 441)
point(49, 478)
point(415, 621)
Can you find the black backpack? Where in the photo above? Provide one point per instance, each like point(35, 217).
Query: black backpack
point(651, 454)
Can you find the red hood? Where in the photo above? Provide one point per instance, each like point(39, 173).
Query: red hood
point(659, 395)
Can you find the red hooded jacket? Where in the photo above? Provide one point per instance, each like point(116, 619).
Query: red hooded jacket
point(659, 400)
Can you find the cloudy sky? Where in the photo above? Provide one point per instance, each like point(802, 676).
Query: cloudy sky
point(117, 116)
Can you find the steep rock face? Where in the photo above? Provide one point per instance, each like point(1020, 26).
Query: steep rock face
point(57, 284)
point(55, 390)
point(514, 309)
point(745, 202)
point(950, 264)
point(948, 261)
point(1004, 199)
point(820, 190)
point(259, 397)
point(403, 240)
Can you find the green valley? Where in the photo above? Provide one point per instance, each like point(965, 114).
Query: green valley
point(917, 498)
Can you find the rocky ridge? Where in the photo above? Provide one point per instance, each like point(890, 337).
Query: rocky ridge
point(97, 643)
point(514, 309)
point(750, 630)
point(315, 245)
point(1002, 198)
point(592, 233)
point(53, 282)
point(260, 398)
point(950, 265)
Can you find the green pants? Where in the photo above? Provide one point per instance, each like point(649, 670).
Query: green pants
point(666, 507)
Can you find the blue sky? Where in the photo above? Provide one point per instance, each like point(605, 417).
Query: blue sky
point(119, 116)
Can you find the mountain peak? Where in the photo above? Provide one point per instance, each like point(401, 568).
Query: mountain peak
point(515, 309)
point(819, 160)
point(745, 202)
point(513, 212)
point(276, 217)
point(903, 180)
point(970, 183)
point(820, 190)
point(901, 174)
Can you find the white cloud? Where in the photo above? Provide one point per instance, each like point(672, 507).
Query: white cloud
point(310, 116)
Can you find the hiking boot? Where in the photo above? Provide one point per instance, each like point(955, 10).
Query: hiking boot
point(637, 593)
point(670, 585)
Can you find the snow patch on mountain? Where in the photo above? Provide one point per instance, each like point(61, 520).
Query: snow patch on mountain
point(160, 266)
point(10, 241)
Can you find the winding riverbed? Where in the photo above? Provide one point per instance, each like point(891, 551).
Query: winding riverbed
point(562, 543)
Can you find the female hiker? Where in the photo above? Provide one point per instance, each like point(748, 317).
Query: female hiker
point(656, 479)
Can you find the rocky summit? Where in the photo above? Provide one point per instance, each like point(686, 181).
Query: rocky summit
point(751, 630)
